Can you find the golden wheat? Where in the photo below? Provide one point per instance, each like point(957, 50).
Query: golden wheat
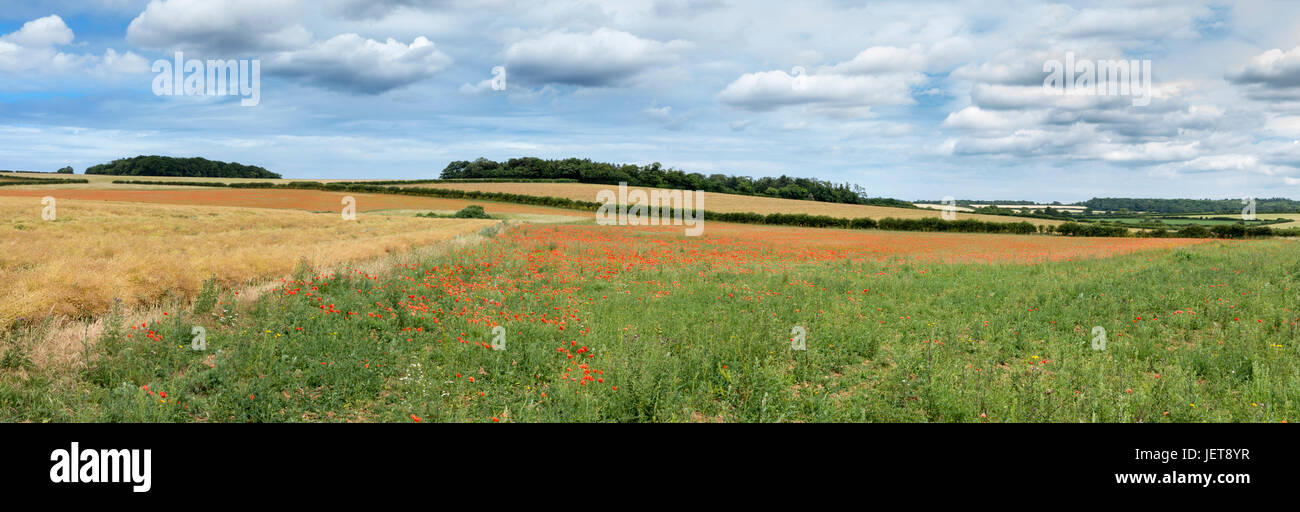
point(96, 251)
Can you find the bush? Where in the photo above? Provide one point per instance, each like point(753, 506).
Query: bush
point(1194, 231)
point(472, 211)
point(65, 170)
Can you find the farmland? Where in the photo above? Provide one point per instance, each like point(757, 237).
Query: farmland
point(730, 203)
point(391, 318)
point(308, 200)
point(142, 255)
point(607, 323)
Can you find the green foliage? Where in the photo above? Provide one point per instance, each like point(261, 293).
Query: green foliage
point(32, 180)
point(65, 170)
point(179, 167)
point(655, 175)
point(1186, 206)
point(472, 211)
point(1077, 229)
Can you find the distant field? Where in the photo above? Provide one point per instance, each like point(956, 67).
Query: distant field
point(97, 180)
point(1292, 217)
point(311, 200)
point(1207, 221)
point(723, 203)
point(97, 251)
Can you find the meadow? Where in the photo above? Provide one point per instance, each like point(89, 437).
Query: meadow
point(607, 323)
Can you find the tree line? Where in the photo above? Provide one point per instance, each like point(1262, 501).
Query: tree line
point(656, 175)
point(1185, 206)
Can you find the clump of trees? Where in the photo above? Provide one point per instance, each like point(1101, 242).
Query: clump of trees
point(1077, 229)
point(472, 211)
point(65, 170)
point(1124, 205)
point(956, 226)
point(655, 175)
point(154, 165)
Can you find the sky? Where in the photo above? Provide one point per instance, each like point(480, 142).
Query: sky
point(911, 100)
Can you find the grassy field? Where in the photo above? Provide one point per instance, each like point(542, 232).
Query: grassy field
point(627, 324)
point(723, 203)
point(94, 252)
point(1292, 219)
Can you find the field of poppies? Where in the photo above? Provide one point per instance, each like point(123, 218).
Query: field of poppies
point(747, 323)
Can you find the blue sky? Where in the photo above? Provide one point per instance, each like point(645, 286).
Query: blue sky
point(910, 100)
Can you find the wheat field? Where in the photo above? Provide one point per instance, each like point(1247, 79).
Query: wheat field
point(95, 252)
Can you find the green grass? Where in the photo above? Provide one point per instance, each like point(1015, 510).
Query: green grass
point(686, 335)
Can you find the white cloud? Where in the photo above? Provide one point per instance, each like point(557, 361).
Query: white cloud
point(31, 50)
point(1125, 25)
point(602, 58)
point(114, 64)
point(883, 59)
point(220, 28)
point(828, 92)
point(41, 33)
point(1234, 163)
point(1148, 152)
point(975, 118)
point(352, 63)
point(1274, 74)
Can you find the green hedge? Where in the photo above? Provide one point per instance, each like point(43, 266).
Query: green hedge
point(30, 180)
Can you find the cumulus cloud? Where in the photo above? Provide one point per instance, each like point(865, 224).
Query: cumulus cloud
point(1009, 113)
point(883, 59)
point(349, 62)
point(220, 27)
point(32, 49)
point(270, 29)
point(977, 119)
point(877, 76)
point(768, 90)
point(1136, 24)
point(41, 32)
point(1236, 163)
point(1274, 74)
point(601, 58)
